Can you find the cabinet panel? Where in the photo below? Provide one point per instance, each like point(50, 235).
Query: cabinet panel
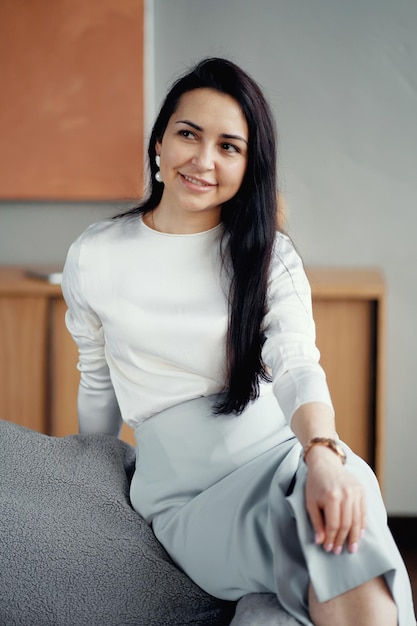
point(23, 357)
point(345, 338)
point(64, 375)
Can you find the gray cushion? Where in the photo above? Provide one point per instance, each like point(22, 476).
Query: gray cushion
point(72, 550)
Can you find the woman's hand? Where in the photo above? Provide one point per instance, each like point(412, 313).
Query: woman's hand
point(335, 501)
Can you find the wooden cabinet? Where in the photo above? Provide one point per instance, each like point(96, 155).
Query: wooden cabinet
point(39, 379)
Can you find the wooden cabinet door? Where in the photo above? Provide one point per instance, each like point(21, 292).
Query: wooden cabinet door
point(64, 374)
point(23, 360)
point(346, 340)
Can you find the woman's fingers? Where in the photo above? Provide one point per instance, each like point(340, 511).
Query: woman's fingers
point(341, 520)
point(358, 526)
point(338, 514)
point(337, 520)
point(317, 521)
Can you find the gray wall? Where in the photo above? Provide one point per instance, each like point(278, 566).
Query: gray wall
point(342, 79)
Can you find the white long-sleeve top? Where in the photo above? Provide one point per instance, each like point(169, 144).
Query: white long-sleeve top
point(149, 313)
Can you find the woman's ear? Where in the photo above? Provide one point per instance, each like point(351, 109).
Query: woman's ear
point(158, 145)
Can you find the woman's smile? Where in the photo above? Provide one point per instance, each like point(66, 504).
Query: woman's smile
point(202, 184)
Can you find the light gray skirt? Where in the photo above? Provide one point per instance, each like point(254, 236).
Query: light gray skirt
point(225, 497)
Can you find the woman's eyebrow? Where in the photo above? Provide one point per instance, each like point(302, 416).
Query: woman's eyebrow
point(223, 135)
point(189, 124)
point(238, 137)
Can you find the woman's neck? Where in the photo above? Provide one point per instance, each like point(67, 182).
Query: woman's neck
point(181, 223)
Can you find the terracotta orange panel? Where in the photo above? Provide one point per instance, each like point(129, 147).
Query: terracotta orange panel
point(71, 101)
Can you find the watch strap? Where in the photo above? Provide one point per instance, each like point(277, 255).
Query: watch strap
point(332, 444)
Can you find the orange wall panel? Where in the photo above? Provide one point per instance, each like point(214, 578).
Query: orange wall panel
point(71, 99)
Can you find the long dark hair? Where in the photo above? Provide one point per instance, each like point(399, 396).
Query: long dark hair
point(249, 219)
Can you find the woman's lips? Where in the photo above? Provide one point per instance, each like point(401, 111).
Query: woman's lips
point(199, 182)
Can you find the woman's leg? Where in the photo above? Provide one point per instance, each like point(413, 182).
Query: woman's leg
point(371, 604)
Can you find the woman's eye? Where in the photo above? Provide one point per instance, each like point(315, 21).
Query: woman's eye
point(188, 134)
point(229, 147)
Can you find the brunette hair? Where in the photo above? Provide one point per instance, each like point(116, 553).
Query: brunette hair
point(249, 219)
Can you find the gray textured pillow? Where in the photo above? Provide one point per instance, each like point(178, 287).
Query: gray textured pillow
point(72, 550)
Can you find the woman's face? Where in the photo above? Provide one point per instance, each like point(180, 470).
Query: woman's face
point(204, 153)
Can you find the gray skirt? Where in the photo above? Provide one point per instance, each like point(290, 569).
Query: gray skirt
point(225, 497)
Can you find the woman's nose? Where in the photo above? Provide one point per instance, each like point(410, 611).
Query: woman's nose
point(204, 158)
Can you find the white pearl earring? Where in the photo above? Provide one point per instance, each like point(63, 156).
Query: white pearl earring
point(158, 176)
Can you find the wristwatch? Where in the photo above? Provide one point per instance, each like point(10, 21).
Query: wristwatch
point(332, 444)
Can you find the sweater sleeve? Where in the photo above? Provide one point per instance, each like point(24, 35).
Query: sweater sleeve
point(98, 410)
point(290, 350)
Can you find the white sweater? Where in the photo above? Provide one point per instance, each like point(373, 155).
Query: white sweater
point(148, 311)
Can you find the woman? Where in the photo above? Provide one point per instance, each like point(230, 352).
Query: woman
point(193, 320)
